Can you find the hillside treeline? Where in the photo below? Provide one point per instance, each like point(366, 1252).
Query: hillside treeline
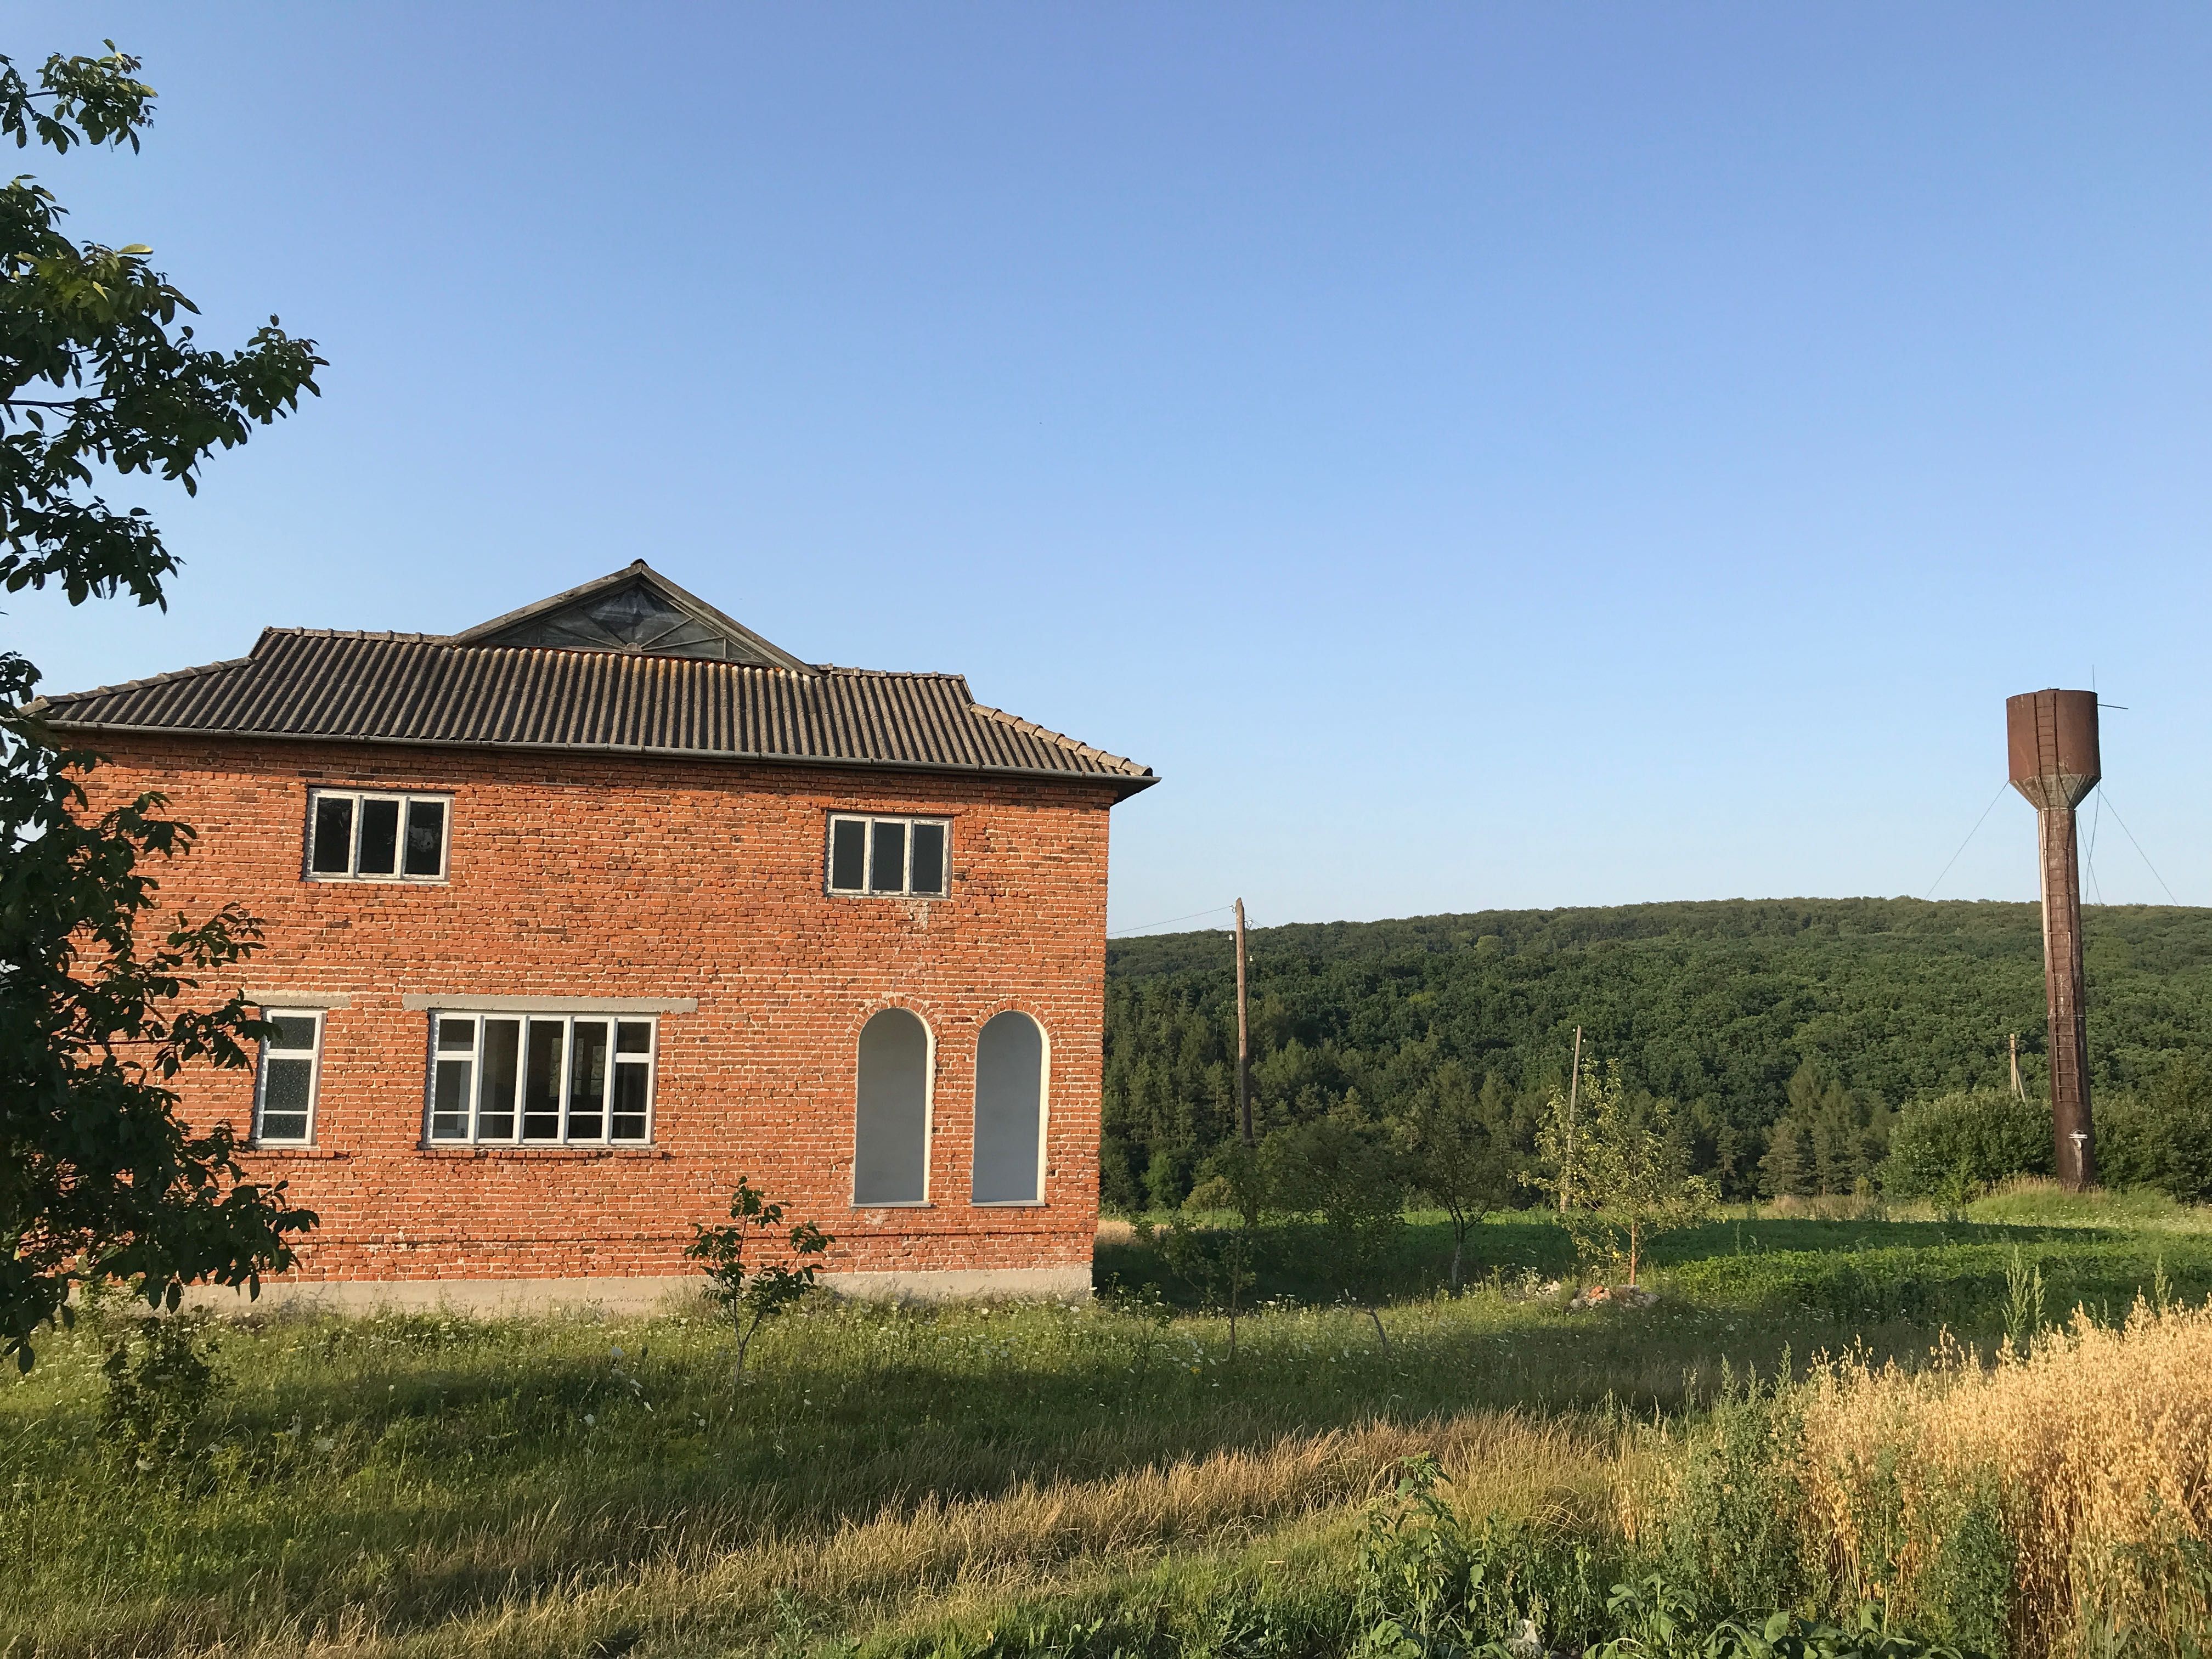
point(1808, 1020)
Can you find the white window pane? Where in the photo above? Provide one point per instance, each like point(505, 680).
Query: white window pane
point(380, 838)
point(449, 1101)
point(426, 837)
point(332, 853)
point(541, 1082)
point(294, 1033)
point(848, 854)
point(928, 858)
point(887, 856)
point(287, 1092)
point(587, 1080)
point(502, 1065)
point(633, 1088)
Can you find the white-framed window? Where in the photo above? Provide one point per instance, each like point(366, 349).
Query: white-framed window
point(364, 835)
point(892, 857)
point(548, 1079)
point(288, 1077)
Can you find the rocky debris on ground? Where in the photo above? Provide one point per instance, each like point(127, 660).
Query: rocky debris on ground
point(1614, 1296)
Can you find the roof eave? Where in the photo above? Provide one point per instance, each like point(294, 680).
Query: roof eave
point(1123, 784)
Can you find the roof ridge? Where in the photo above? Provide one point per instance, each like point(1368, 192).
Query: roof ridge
point(455, 642)
point(360, 634)
point(169, 678)
point(1030, 728)
point(892, 673)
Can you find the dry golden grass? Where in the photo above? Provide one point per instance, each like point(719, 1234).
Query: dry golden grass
point(2093, 1454)
point(912, 1567)
point(920, 1563)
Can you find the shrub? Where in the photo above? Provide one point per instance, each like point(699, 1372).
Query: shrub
point(2162, 1136)
point(752, 1293)
point(159, 1386)
point(1956, 1145)
point(1430, 1583)
point(1728, 1525)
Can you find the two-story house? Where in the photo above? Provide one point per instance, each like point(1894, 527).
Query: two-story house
point(576, 916)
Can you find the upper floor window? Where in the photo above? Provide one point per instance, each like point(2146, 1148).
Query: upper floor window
point(901, 856)
point(291, 1063)
point(358, 836)
point(540, 1078)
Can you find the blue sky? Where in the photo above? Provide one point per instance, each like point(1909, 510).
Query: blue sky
point(1480, 455)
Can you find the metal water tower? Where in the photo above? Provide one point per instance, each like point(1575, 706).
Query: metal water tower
point(2052, 738)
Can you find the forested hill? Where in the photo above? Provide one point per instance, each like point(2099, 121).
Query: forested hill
point(1716, 1004)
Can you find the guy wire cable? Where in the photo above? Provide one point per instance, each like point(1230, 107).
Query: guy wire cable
point(1970, 834)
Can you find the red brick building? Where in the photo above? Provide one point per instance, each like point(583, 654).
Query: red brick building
point(576, 916)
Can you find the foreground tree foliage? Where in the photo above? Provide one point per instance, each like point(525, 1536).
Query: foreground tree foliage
point(100, 1181)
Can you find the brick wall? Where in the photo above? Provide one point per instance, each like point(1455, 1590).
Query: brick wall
point(597, 876)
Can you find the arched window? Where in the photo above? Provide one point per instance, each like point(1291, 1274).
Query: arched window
point(891, 1130)
point(1009, 1111)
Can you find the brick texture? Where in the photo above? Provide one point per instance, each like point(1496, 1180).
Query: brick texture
point(601, 875)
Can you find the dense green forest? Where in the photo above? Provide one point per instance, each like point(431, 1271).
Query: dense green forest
point(1823, 1014)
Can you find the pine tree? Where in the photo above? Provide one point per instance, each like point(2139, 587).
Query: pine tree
point(1782, 1172)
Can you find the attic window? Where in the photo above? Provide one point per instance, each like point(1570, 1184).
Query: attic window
point(354, 835)
point(889, 858)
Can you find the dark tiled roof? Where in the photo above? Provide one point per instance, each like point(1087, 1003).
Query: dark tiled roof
point(424, 689)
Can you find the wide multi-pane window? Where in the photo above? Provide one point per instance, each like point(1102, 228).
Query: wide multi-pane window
point(895, 857)
point(358, 836)
point(540, 1079)
point(284, 1090)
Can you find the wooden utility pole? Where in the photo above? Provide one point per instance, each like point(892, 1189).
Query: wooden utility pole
point(1243, 1036)
point(2018, 1088)
point(1574, 1088)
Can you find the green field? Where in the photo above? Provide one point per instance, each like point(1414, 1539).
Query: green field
point(1013, 1479)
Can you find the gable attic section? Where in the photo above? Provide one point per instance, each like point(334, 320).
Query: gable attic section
point(635, 609)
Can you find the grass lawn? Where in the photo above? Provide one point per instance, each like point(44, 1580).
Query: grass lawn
point(960, 1479)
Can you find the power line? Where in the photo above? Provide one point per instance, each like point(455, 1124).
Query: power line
point(1970, 834)
point(2140, 853)
point(1145, 927)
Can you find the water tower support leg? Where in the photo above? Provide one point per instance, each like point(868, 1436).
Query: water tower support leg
point(2074, 1141)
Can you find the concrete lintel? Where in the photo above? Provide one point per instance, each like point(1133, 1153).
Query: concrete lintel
point(415, 1002)
point(300, 998)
